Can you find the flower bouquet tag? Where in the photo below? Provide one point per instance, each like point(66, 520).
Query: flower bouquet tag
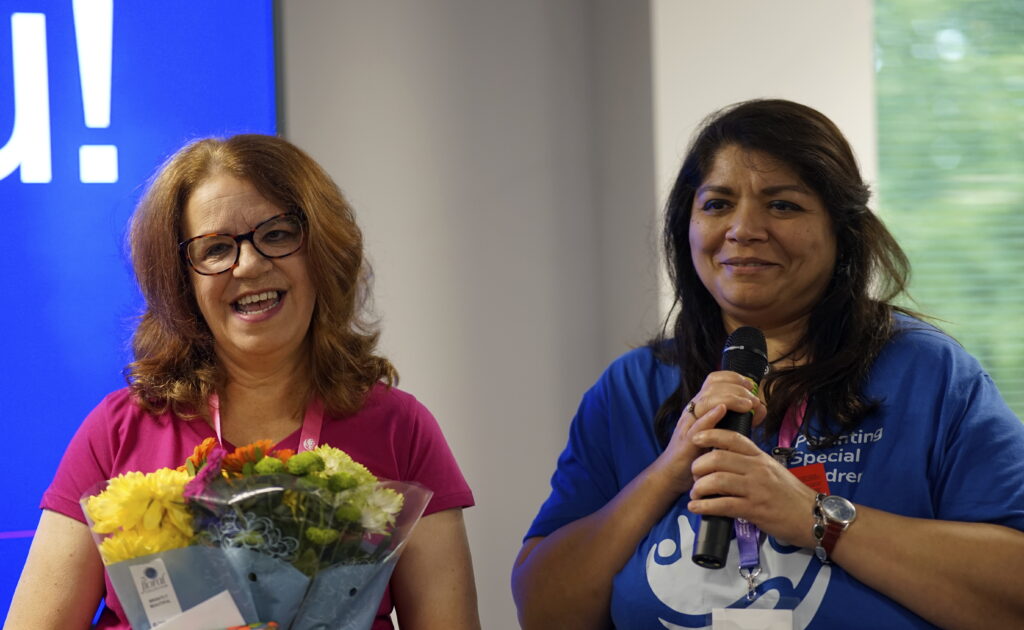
point(219, 611)
point(153, 584)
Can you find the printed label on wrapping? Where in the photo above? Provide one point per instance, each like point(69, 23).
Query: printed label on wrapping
point(156, 591)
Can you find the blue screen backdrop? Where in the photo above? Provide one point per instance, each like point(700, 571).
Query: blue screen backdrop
point(94, 95)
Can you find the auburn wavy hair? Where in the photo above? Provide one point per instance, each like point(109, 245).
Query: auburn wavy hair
point(852, 321)
point(175, 365)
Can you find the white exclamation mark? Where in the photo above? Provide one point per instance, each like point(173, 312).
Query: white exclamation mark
point(94, 33)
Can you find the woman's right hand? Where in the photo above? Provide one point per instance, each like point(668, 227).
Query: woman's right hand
point(565, 579)
point(721, 392)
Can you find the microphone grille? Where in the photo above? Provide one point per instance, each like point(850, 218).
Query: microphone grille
point(746, 353)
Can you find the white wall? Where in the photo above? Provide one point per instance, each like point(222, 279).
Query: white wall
point(506, 161)
point(462, 132)
point(710, 54)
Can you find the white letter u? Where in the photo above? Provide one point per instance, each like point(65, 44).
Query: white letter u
point(29, 144)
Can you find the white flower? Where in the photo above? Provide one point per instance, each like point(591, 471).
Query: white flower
point(381, 507)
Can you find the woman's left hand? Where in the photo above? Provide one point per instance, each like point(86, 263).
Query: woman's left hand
point(739, 480)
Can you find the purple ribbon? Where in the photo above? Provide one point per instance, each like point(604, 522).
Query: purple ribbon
point(748, 538)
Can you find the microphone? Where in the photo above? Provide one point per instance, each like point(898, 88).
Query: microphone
point(745, 353)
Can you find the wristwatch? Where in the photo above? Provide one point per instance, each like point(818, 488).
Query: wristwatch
point(832, 515)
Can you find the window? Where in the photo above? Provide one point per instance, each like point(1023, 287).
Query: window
point(950, 89)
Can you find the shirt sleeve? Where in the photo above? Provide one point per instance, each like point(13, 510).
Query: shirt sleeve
point(980, 466)
point(429, 460)
point(85, 464)
point(585, 478)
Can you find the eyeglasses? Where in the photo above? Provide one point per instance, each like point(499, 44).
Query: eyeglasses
point(211, 254)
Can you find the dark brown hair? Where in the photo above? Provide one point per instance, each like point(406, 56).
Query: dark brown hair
point(175, 366)
point(853, 319)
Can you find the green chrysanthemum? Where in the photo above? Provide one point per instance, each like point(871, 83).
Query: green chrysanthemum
point(305, 463)
point(322, 535)
point(269, 466)
point(348, 513)
point(337, 461)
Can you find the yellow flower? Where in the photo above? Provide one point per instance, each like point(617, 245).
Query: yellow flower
point(167, 504)
point(122, 504)
point(144, 513)
point(125, 545)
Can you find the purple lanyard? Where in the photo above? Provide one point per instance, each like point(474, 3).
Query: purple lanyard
point(312, 423)
point(748, 536)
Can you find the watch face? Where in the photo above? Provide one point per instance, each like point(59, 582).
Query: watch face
point(838, 509)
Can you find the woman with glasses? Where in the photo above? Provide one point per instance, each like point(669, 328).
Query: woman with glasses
point(252, 269)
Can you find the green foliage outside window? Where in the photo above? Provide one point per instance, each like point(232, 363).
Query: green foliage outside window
point(950, 89)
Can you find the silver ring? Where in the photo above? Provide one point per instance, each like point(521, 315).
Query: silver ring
point(692, 408)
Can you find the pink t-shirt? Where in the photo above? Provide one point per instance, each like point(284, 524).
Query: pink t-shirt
point(393, 435)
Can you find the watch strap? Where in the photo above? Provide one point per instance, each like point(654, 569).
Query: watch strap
point(832, 531)
point(818, 530)
point(826, 531)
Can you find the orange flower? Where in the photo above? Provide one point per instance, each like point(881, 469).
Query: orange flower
point(200, 454)
point(284, 454)
point(235, 462)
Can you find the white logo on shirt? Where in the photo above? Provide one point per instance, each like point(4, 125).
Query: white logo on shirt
point(693, 591)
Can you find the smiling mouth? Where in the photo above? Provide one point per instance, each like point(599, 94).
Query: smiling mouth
point(258, 302)
point(747, 264)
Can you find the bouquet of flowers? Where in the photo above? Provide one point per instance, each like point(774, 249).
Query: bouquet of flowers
point(306, 540)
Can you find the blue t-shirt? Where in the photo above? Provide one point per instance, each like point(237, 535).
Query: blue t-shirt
point(943, 445)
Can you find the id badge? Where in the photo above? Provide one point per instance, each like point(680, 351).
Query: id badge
point(751, 619)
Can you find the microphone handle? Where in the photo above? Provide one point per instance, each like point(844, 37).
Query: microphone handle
point(738, 422)
point(711, 548)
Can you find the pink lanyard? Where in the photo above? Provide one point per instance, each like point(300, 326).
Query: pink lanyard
point(748, 536)
point(312, 423)
point(791, 424)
